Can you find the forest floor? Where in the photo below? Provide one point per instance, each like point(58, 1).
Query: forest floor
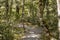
point(33, 32)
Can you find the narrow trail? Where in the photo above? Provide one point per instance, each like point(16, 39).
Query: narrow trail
point(33, 32)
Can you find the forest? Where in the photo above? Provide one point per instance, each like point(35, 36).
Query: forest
point(29, 20)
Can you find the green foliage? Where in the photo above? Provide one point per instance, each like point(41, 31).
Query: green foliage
point(11, 16)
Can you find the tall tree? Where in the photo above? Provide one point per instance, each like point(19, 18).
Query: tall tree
point(23, 1)
point(58, 7)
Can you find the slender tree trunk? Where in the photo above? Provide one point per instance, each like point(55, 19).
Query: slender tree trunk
point(7, 8)
point(7, 17)
point(58, 8)
point(17, 11)
point(47, 27)
point(23, 15)
point(41, 9)
point(1, 37)
point(10, 11)
point(40, 16)
point(11, 3)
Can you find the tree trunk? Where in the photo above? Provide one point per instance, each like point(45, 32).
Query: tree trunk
point(41, 9)
point(58, 8)
point(23, 15)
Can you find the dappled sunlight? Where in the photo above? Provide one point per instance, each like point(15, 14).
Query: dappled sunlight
point(29, 19)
